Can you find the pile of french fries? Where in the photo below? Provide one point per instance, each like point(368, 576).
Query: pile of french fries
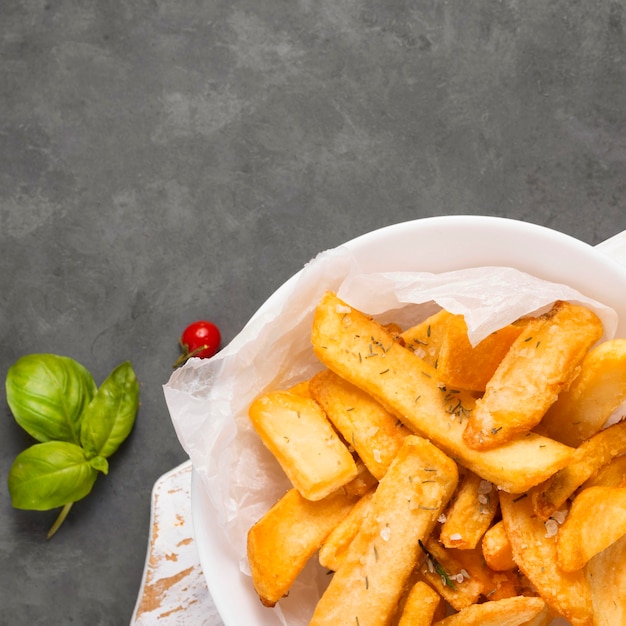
point(450, 484)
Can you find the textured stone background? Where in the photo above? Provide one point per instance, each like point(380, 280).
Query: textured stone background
point(162, 161)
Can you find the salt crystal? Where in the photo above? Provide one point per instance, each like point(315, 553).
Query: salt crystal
point(552, 528)
point(484, 487)
point(341, 308)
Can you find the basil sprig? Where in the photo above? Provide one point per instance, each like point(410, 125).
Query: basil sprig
point(78, 426)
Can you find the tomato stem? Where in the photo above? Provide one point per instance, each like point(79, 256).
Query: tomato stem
point(185, 356)
point(59, 520)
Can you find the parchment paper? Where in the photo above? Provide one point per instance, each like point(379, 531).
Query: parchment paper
point(208, 399)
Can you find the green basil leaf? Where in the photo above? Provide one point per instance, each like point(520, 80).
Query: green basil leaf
point(47, 394)
point(110, 416)
point(99, 463)
point(49, 475)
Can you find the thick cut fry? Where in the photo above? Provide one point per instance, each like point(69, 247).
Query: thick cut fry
point(613, 474)
point(336, 545)
point(359, 350)
point(295, 429)
point(470, 514)
point(506, 612)
point(287, 536)
point(503, 584)
point(371, 430)
point(421, 606)
point(425, 339)
point(598, 390)
point(300, 389)
point(368, 585)
point(597, 519)
point(446, 573)
point(544, 618)
point(362, 484)
point(588, 458)
point(496, 549)
point(542, 361)
point(534, 552)
point(495, 585)
point(605, 573)
point(471, 367)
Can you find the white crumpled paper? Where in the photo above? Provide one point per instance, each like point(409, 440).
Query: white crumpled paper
point(208, 399)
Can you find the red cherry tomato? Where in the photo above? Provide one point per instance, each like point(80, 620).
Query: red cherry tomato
point(200, 339)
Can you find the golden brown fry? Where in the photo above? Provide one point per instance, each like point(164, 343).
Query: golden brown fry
point(335, 547)
point(534, 552)
point(359, 350)
point(542, 361)
point(425, 339)
point(446, 573)
point(496, 549)
point(543, 618)
point(370, 429)
point(471, 367)
point(597, 519)
point(470, 514)
point(495, 585)
point(300, 389)
point(421, 606)
point(599, 389)
point(613, 474)
point(605, 573)
point(588, 458)
point(506, 612)
point(369, 583)
point(287, 536)
point(295, 429)
point(362, 483)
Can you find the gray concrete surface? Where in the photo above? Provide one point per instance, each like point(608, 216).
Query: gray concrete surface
point(162, 161)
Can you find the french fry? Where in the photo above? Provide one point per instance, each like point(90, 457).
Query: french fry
point(471, 367)
point(368, 585)
point(568, 593)
point(335, 547)
point(425, 339)
point(359, 350)
point(300, 389)
point(503, 584)
point(421, 606)
point(362, 483)
point(587, 459)
point(295, 429)
point(497, 550)
point(445, 572)
point(599, 389)
point(597, 519)
point(287, 536)
point(506, 612)
point(613, 474)
point(542, 361)
point(370, 429)
point(470, 513)
point(605, 573)
point(495, 585)
point(543, 618)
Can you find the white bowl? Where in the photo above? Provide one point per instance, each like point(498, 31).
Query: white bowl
point(435, 245)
